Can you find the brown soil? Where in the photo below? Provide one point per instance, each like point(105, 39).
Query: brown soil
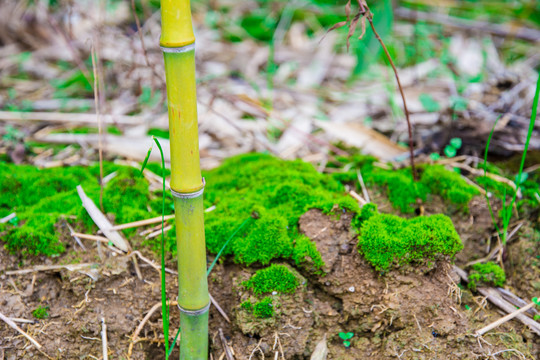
point(409, 313)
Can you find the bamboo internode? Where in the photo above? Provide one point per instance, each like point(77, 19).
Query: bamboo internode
point(187, 185)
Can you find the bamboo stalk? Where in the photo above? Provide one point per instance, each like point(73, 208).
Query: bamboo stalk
point(178, 45)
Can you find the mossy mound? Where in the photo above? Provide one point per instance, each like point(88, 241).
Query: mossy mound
point(402, 191)
point(387, 240)
point(489, 274)
point(276, 193)
point(276, 278)
point(262, 309)
point(43, 198)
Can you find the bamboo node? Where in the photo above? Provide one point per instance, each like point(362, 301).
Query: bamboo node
point(178, 49)
point(194, 312)
point(189, 195)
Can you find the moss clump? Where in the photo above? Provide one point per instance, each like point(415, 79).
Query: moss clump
point(274, 278)
point(41, 312)
point(264, 309)
point(403, 192)
point(246, 305)
point(449, 185)
point(388, 239)
point(306, 255)
point(39, 199)
point(487, 274)
point(267, 240)
point(367, 212)
point(43, 197)
point(277, 192)
point(127, 196)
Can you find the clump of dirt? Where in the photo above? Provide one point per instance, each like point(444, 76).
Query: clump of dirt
point(412, 312)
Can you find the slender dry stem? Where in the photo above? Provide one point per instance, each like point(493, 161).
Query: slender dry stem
point(18, 329)
point(367, 13)
point(97, 103)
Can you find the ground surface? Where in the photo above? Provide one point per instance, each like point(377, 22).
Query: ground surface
point(411, 313)
point(289, 88)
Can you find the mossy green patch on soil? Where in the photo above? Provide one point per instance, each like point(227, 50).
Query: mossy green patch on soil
point(44, 199)
point(262, 309)
point(489, 274)
point(306, 255)
point(273, 278)
point(276, 193)
point(402, 191)
point(41, 312)
point(387, 239)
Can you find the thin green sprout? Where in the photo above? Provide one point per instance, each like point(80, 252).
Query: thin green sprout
point(164, 306)
point(506, 213)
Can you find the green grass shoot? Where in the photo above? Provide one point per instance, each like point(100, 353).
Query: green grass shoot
point(506, 212)
point(164, 305)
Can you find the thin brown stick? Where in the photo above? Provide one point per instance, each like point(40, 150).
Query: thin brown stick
point(504, 319)
point(18, 329)
point(104, 339)
point(495, 298)
point(151, 263)
point(69, 267)
point(97, 102)
point(140, 327)
point(158, 232)
point(71, 118)
point(363, 185)
point(137, 269)
point(102, 239)
point(368, 15)
point(225, 346)
point(357, 197)
point(102, 222)
point(218, 308)
point(143, 46)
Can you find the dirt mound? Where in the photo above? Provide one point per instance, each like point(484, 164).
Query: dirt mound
point(407, 313)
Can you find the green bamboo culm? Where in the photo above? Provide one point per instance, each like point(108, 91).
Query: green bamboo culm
point(178, 44)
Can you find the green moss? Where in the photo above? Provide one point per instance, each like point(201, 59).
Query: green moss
point(306, 255)
point(156, 169)
point(273, 278)
point(267, 240)
point(401, 190)
point(264, 309)
point(43, 197)
point(41, 312)
point(387, 239)
point(367, 212)
point(489, 274)
point(127, 196)
point(449, 185)
point(246, 305)
point(276, 192)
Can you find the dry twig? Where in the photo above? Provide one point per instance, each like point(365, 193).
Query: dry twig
point(104, 339)
point(18, 329)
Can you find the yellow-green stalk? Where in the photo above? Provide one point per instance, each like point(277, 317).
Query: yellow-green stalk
point(178, 45)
